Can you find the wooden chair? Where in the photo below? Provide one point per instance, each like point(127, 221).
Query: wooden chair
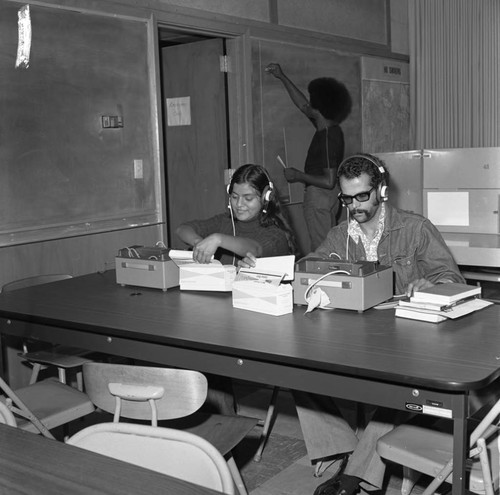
point(45, 405)
point(428, 450)
point(173, 452)
point(62, 357)
point(172, 396)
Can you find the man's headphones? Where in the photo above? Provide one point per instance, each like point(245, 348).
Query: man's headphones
point(384, 196)
point(266, 194)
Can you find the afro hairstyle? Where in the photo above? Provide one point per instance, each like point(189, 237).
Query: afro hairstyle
point(331, 98)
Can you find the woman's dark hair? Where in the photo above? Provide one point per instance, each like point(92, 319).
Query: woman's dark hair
point(271, 213)
point(331, 98)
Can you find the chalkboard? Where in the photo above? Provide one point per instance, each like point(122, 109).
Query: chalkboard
point(279, 126)
point(61, 171)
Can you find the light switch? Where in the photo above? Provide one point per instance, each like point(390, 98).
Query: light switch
point(138, 169)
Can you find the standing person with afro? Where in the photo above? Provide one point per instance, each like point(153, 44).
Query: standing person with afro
point(328, 106)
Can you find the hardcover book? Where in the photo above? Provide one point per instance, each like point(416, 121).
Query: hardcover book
point(446, 293)
point(419, 315)
point(453, 311)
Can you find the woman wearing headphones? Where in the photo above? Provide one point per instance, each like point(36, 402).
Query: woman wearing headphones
point(253, 226)
point(254, 223)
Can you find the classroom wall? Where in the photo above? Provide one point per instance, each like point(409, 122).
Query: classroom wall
point(338, 29)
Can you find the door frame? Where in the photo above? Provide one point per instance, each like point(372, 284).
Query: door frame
point(239, 80)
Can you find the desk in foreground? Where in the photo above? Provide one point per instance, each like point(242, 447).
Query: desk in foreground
point(371, 357)
point(32, 464)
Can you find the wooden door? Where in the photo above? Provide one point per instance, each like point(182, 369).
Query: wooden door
point(196, 138)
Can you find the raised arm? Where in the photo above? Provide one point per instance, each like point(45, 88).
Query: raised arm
point(298, 98)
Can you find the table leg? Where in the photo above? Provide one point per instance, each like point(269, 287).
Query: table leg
point(460, 448)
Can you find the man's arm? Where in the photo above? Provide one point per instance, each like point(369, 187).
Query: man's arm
point(298, 98)
point(435, 261)
point(326, 181)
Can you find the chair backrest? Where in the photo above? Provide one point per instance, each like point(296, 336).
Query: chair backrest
point(6, 416)
point(173, 452)
point(31, 281)
point(175, 393)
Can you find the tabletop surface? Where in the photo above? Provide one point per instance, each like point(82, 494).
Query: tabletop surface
point(32, 464)
point(455, 355)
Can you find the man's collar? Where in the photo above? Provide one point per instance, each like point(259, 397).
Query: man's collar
point(354, 228)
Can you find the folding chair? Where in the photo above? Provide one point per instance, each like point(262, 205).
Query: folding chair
point(6, 416)
point(173, 452)
point(62, 357)
point(45, 405)
point(429, 450)
point(164, 394)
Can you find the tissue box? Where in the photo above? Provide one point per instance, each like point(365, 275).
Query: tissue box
point(263, 298)
point(212, 277)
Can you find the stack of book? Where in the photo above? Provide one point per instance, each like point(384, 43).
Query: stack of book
point(441, 302)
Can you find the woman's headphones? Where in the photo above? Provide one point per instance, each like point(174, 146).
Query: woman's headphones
point(384, 195)
point(266, 194)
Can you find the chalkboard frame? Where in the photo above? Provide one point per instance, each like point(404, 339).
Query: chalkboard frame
point(63, 172)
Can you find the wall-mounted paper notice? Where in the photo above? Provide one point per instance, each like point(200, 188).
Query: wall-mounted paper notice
point(179, 111)
point(448, 208)
point(24, 37)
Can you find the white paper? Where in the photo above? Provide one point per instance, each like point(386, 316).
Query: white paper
point(268, 299)
point(259, 278)
point(24, 38)
point(448, 208)
point(179, 111)
point(183, 257)
point(275, 265)
point(207, 277)
point(466, 308)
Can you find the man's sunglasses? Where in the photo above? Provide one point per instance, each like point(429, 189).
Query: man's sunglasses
point(360, 197)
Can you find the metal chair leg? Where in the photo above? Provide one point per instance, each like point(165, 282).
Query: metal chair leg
point(267, 425)
point(238, 480)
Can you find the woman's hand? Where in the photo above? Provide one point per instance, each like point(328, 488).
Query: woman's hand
point(204, 250)
point(248, 261)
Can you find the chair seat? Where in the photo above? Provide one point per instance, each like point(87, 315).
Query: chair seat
point(60, 356)
point(427, 450)
point(223, 432)
point(53, 403)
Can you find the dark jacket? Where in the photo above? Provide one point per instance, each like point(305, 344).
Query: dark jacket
point(410, 243)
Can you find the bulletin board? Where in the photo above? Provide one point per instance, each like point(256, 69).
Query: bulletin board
point(62, 171)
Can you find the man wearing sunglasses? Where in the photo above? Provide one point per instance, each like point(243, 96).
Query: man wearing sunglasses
point(411, 244)
point(374, 231)
point(377, 231)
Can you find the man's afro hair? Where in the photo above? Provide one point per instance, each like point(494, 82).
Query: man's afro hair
point(331, 98)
